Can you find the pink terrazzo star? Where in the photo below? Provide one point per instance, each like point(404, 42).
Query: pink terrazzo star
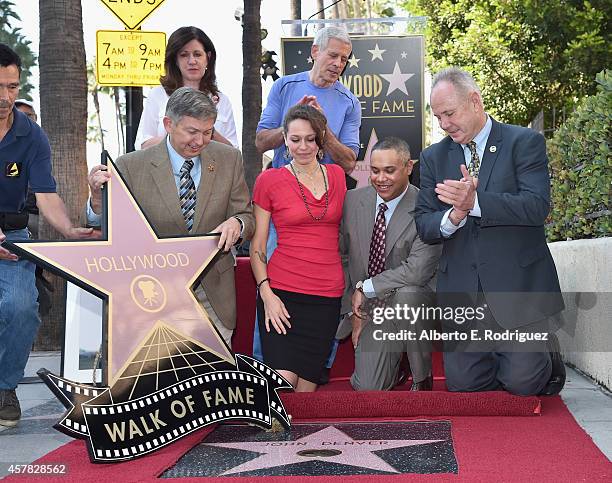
point(353, 452)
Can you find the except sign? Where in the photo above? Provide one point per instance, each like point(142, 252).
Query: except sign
point(132, 12)
point(127, 58)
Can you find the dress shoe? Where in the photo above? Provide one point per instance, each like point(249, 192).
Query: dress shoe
point(402, 377)
point(403, 371)
point(557, 376)
point(424, 385)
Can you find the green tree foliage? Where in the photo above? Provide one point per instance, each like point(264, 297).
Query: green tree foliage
point(581, 164)
point(13, 37)
point(527, 55)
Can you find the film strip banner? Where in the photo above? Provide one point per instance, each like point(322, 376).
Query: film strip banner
point(127, 430)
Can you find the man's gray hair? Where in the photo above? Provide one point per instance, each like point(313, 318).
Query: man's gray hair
point(187, 101)
point(398, 145)
point(461, 79)
point(324, 35)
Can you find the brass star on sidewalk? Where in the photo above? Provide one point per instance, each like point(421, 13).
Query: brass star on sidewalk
point(145, 279)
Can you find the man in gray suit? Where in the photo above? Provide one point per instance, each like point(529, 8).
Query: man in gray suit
point(485, 195)
point(156, 176)
point(383, 213)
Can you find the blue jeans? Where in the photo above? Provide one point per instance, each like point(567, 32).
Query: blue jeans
point(257, 352)
point(19, 319)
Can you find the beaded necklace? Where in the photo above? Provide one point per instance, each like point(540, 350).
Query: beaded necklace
point(315, 218)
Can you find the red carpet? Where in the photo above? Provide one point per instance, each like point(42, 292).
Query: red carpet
point(551, 447)
point(496, 436)
point(398, 404)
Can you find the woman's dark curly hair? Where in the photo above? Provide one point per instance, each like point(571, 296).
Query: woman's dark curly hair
point(310, 114)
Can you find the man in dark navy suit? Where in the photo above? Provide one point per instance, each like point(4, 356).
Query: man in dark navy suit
point(485, 195)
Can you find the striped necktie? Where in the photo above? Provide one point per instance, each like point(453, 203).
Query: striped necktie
point(474, 166)
point(187, 193)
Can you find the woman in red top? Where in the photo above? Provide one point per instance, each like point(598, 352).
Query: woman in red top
point(300, 288)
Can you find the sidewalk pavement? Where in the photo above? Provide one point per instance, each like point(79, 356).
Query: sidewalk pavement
point(34, 436)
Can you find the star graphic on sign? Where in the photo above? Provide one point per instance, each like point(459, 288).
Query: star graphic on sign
point(361, 454)
point(354, 61)
point(299, 52)
point(397, 80)
point(144, 278)
point(404, 55)
point(376, 53)
point(362, 170)
point(309, 59)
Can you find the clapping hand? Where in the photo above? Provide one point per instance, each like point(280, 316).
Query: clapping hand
point(460, 194)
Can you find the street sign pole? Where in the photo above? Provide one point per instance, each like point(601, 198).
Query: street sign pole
point(133, 111)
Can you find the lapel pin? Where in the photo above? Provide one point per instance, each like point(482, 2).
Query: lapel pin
point(211, 167)
point(493, 149)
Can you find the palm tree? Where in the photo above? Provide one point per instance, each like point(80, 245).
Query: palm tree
point(321, 8)
point(63, 101)
point(296, 14)
point(95, 134)
point(251, 88)
point(13, 37)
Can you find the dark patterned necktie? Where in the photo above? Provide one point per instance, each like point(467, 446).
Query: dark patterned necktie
point(187, 193)
point(376, 262)
point(474, 166)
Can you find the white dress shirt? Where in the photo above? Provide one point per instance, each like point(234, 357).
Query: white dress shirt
point(176, 160)
point(368, 286)
point(154, 109)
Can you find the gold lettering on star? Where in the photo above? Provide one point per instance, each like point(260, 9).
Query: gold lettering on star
point(126, 263)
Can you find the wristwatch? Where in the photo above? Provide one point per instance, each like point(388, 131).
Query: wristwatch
point(359, 286)
point(241, 224)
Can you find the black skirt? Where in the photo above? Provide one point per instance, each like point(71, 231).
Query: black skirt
point(305, 348)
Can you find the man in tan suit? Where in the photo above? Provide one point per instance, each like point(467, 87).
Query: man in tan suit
point(386, 265)
point(160, 178)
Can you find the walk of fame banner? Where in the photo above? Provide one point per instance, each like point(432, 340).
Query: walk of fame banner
point(386, 74)
point(167, 370)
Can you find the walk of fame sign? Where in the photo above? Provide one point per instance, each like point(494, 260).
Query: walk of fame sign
point(386, 74)
point(168, 371)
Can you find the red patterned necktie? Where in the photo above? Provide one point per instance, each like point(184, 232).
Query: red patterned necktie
point(376, 262)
